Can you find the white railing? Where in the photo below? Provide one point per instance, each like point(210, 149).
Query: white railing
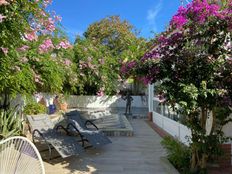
point(172, 127)
point(169, 121)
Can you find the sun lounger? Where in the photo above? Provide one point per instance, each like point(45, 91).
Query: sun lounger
point(77, 124)
point(43, 128)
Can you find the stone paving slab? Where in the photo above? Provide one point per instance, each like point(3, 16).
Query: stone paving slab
point(139, 154)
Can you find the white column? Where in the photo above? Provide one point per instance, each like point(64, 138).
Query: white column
point(150, 97)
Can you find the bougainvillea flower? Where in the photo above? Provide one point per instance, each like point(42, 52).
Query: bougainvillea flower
point(46, 46)
point(2, 17)
point(4, 50)
point(64, 44)
point(31, 36)
point(100, 93)
point(3, 2)
point(67, 62)
point(23, 48)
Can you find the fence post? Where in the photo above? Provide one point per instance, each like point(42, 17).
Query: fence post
point(150, 101)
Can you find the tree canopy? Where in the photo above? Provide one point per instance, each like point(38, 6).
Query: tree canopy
point(33, 49)
point(191, 60)
point(106, 45)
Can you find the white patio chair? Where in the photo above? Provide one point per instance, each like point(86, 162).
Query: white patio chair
point(18, 155)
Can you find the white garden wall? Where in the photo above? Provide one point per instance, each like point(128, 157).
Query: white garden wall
point(104, 101)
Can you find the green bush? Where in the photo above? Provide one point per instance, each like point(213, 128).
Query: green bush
point(178, 154)
point(10, 124)
point(33, 108)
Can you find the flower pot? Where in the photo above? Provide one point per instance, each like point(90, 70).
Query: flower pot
point(63, 106)
point(51, 109)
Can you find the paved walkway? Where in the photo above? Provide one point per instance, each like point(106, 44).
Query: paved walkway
point(139, 154)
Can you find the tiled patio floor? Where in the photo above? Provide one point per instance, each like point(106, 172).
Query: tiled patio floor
point(139, 154)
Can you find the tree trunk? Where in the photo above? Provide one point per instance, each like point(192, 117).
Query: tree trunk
point(194, 161)
point(203, 163)
point(203, 117)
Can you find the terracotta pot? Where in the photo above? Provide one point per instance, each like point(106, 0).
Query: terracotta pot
point(63, 106)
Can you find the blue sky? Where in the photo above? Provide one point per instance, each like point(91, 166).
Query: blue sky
point(145, 15)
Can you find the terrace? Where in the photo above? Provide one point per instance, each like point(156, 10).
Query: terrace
point(139, 153)
point(70, 93)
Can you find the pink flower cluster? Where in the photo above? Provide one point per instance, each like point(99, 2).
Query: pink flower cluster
point(32, 36)
point(87, 64)
point(100, 92)
point(144, 80)
point(198, 11)
point(127, 67)
point(4, 50)
point(201, 10)
point(179, 21)
point(46, 2)
point(1, 18)
point(50, 25)
point(23, 48)
point(58, 18)
point(64, 44)
point(3, 2)
point(67, 62)
point(46, 46)
point(180, 18)
point(41, 21)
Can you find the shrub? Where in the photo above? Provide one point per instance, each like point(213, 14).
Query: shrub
point(10, 124)
point(178, 154)
point(33, 108)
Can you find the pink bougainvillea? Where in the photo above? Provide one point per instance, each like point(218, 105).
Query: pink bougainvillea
point(50, 25)
point(64, 44)
point(67, 62)
point(198, 11)
point(46, 2)
point(100, 92)
point(46, 46)
point(4, 50)
point(32, 36)
point(57, 18)
point(3, 2)
point(23, 48)
point(2, 18)
point(180, 18)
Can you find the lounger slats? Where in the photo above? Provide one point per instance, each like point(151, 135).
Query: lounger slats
point(95, 137)
point(45, 129)
point(66, 146)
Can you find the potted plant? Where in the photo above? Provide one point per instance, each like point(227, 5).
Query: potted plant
point(62, 102)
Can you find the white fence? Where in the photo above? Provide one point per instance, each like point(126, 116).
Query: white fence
point(172, 127)
point(165, 118)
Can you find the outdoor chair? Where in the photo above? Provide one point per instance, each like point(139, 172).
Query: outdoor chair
point(79, 125)
point(44, 129)
point(19, 155)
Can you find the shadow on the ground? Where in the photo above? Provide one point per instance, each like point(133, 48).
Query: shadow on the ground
point(83, 163)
